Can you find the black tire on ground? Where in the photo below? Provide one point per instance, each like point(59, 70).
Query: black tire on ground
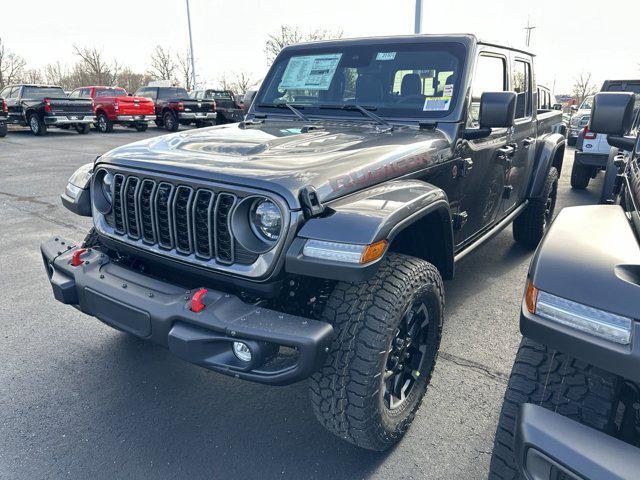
point(609, 193)
point(580, 175)
point(530, 226)
point(199, 123)
point(3, 129)
point(557, 382)
point(220, 120)
point(142, 127)
point(82, 128)
point(158, 123)
point(104, 124)
point(571, 141)
point(91, 240)
point(351, 392)
point(36, 125)
point(170, 122)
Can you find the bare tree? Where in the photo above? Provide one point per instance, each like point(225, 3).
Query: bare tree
point(224, 83)
point(130, 80)
point(93, 68)
point(240, 83)
point(583, 87)
point(163, 66)
point(185, 72)
point(32, 76)
point(11, 66)
point(57, 74)
point(291, 34)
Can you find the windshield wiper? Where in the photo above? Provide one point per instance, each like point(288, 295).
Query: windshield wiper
point(291, 107)
point(366, 111)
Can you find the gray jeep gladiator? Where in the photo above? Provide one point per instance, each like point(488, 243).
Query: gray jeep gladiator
point(312, 239)
point(572, 405)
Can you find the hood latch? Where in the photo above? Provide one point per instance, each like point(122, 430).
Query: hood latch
point(310, 202)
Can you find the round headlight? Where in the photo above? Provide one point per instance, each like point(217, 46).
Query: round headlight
point(265, 219)
point(107, 185)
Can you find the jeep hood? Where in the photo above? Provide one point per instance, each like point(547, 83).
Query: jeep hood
point(284, 158)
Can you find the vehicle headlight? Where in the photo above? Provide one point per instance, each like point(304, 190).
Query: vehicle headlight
point(82, 176)
point(606, 325)
point(265, 219)
point(107, 186)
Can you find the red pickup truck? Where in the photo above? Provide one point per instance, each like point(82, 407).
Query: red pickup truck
point(114, 105)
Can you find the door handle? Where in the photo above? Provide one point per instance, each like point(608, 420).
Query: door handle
point(527, 142)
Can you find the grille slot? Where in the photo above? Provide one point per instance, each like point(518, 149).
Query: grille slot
point(223, 240)
point(177, 218)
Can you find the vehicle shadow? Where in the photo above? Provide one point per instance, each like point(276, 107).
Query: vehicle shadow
point(161, 417)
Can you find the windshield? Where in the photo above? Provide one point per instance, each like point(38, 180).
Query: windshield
point(38, 93)
point(218, 95)
point(586, 103)
point(394, 80)
point(110, 92)
point(626, 87)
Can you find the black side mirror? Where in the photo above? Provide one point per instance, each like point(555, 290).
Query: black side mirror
point(612, 113)
point(497, 109)
point(557, 106)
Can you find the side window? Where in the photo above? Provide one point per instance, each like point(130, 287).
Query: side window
point(15, 93)
point(489, 77)
point(521, 81)
point(6, 92)
point(85, 92)
point(74, 94)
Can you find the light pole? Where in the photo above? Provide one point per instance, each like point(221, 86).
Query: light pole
point(193, 60)
point(418, 19)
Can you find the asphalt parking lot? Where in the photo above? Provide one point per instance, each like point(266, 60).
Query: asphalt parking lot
point(81, 400)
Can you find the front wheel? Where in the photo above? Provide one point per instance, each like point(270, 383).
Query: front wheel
point(104, 124)
point(37, 126)
point(170, 122)
point(580, 175)
point(557, 382)
point(142, 127)
point(530, 226)
point(82, 128)
point(387, 335)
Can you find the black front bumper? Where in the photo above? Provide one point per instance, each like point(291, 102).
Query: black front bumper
point(547, 443)
point(161, 312)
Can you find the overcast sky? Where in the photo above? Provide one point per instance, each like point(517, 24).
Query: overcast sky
point(571, 36)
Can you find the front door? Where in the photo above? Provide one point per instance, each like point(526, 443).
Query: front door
point(523, 139)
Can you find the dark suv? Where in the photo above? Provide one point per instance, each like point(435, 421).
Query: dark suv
point(174, 107)
point(312, 239)
point(572, 406)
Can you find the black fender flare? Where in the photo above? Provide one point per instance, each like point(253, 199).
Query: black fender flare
point(545, 156)
point(368, 216)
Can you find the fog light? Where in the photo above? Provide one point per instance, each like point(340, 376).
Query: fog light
point(242, 351)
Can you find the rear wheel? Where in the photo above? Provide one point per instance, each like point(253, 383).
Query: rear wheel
point(387, 335)
point(36, 125)
point(580, 175)
point(530, 226)
point(610, 188)
point(3, 129)
point(170, 122)
point(82, 128)
point(557, 382)
point(142, 127)
point(103, 124)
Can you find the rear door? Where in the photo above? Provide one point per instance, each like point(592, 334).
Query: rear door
point(523, 138)
point(12, 97)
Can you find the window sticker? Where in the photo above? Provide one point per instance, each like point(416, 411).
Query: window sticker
point(311, 72)
point(436, 104)
point(386, 56)
point(448, 90)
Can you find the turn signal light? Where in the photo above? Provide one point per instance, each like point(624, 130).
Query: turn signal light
point(531, 296)
point(373, 252)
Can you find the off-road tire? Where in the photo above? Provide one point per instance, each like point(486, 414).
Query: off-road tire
point(530, 226)
point(3, 129)
point(170, 122)
point(141, 127)
point(91, 240)
point(558, 382)
point(346, 392)
point(609, 193)
point(37, 125)
point(580, 175)
point(82, 128)
point(103, 124)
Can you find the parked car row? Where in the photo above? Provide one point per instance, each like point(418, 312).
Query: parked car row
point(41, 107)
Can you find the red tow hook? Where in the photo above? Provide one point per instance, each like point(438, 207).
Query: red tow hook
point(75, 258)
point(196, 300)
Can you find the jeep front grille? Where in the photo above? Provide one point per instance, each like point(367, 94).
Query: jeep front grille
point(176, 218)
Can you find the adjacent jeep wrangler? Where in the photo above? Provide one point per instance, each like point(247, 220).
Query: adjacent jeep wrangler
point(572, 406)
point(312, 239)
